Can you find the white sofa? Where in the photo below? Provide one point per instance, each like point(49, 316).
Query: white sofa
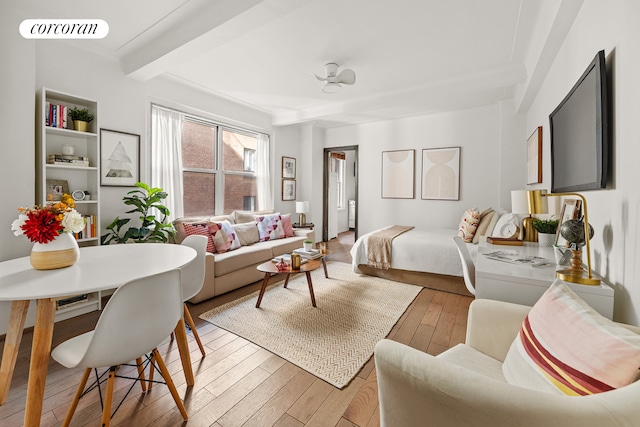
point(464, 386)
point(231, 270)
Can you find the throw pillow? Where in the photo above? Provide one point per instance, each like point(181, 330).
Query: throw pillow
point(469, 224)
point(201, 230)
point(270, 227)
point(566, 347)
point(224, 236)
point(241, 217)
point(247, 233)
point(287, 226)
point(483, 225)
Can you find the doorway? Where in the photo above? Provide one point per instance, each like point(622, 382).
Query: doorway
point(340, 193)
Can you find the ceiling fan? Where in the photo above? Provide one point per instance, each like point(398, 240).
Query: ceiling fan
point(334, 81)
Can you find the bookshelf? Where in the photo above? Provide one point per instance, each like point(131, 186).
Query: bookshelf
point(70, 160)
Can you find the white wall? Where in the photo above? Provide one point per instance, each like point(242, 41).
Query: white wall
point(615, 211)
point(476, 131)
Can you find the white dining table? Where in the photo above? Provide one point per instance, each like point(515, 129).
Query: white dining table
point(99, 268)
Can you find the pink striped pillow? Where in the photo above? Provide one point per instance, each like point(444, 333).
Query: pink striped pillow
point(566, 347)
point(201, 230)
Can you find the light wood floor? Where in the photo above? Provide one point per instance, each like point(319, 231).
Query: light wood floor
point(239, 383)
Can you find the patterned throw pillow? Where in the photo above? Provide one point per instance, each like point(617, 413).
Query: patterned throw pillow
point(270, 227)
point(566, 347)
point(287, 226)
point(224, 236)
point(200, 229)
point(469, 224)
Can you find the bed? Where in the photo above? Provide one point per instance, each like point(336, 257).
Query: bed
point(424, 257)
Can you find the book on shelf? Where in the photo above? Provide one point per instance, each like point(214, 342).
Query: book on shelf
point(89, 231)
point(310, 254)
point(505, 241)
point(56, 115)
point(61, 159)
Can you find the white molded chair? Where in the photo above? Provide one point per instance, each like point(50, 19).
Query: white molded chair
point(138, 317)
point(468, 267)
point(193, 279)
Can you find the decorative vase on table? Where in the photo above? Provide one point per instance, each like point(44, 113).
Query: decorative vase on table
point(546, 239)
point(63, 251)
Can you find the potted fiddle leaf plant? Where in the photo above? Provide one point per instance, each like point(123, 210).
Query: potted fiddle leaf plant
point(546, 229)
point(81, 118)
point(146, 201)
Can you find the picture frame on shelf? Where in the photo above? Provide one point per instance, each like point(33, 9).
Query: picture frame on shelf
point(534, 157)
point(119, 158)
point(56, 188)
point(288, 189)
point(571, 209)
point(441, 173)
point(398, 174)
point(288, 168)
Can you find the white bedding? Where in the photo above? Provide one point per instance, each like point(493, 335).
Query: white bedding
point(427, 251)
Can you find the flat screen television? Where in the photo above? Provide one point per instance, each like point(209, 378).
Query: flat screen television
point(579, 133)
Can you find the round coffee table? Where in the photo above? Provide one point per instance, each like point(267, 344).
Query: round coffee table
point(269, 268)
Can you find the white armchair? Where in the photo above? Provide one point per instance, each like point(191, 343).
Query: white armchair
point(464, 386)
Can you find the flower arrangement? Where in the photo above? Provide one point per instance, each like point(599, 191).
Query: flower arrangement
point(42, 224)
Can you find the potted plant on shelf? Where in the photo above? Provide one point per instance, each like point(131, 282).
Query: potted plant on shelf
point(546, 229)
point(155, 229)
point(81, 118)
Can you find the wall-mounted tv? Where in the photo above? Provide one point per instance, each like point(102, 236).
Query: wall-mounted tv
point(579, 133)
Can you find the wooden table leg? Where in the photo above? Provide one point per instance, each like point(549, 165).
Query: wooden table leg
point(265, 282)
point(183, 348)
point(286, 281)
point(313, 297)
point(12, 345)
point(40, 352)
point(324, 265)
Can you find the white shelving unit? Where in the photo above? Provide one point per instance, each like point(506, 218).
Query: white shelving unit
point(50, 140)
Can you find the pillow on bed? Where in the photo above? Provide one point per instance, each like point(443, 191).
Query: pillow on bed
point(485, 219)
point(469, 224)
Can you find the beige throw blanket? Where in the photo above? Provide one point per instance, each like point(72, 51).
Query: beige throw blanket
point(379, 246)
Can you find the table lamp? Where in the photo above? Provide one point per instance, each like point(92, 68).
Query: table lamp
point(302, 208)
point(575, 273)
point(521, 205)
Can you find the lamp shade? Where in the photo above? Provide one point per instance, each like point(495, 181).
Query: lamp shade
point(519, 203)
point(302, 207)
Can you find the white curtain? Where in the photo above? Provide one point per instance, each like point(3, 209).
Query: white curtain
point(166, 157)
point(263, 176)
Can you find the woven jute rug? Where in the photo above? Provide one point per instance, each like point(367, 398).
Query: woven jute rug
point(332, 341)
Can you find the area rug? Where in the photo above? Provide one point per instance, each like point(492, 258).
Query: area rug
point(332, 341)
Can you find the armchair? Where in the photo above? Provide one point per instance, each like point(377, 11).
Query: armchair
point(464, 386)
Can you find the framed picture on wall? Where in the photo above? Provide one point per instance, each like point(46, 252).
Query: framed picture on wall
point(288, 189)
point(534, 157)
point(398, 174)
point(288, 167)
point(119, 158)
point(441, 173)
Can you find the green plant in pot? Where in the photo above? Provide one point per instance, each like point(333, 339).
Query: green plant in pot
point(308, 244)
point(546, 229)
point(145, 200)
point(81, 118)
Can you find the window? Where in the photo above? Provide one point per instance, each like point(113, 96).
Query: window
point(218, 167)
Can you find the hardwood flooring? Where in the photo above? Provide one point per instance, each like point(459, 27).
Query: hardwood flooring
point(239, 383)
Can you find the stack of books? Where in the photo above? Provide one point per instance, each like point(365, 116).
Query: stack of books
point(310, 254)
point(62, 159)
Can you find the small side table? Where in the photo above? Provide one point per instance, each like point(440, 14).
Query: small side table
point(308, 226)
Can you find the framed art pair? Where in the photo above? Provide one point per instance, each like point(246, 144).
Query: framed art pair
point(288, 178)
point(440, 178)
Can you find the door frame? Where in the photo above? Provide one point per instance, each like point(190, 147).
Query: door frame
point(325, 188)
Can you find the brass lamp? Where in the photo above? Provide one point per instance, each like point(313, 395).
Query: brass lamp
point(302, 208)
point(521, 204)
point(575, 273)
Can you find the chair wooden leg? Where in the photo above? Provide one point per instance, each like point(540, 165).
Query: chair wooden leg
point(167, 378)
point(108, 397)
point(192, 326)
point(76, 398)
point(152, 370)
point(140, 367)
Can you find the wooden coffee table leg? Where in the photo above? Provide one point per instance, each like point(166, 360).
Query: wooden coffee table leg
point(265, 282)
point(324, 265)
point(286, 281)
point(313, 297)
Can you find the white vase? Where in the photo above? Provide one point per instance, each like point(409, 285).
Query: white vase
point(546, 239)
point(62, 251)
